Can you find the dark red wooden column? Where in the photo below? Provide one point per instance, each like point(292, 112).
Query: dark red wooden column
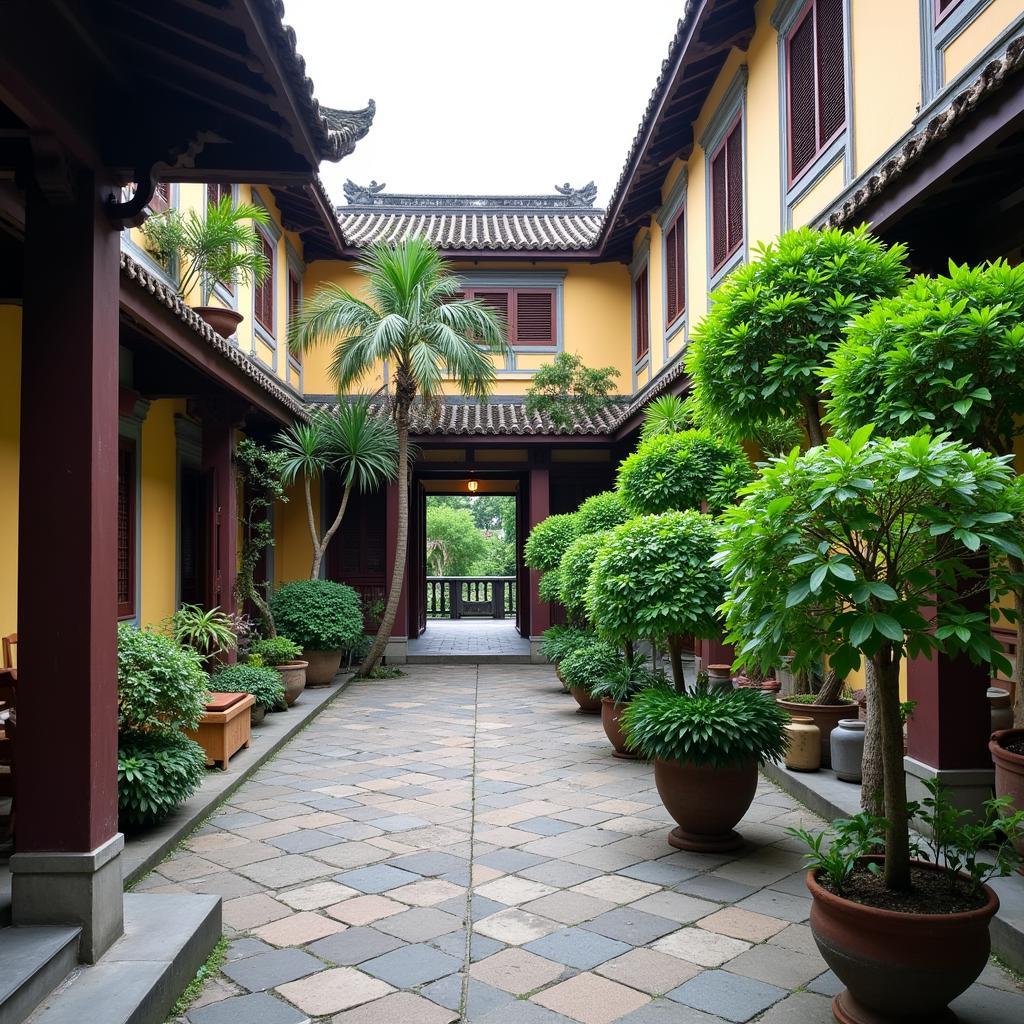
point(714, 652)
point(540, 508)
point(220, 422)
point(66, 784)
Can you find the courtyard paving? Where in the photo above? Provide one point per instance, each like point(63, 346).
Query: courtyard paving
point(460, 845)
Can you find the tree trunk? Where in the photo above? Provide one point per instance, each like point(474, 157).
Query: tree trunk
point(831, 689)
point(675, 653)
point(872, 793)
point(320, 549)
point(628, 650)
point(387, 621)
point(815, 433)
point(897, 842)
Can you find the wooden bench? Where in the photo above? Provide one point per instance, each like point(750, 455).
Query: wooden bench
point(225, 728)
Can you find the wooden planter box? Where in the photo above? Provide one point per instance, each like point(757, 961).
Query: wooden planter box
point(225, 728)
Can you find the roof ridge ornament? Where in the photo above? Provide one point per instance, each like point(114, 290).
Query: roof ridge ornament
point(565, 197)
point(363, 195)
point(578, 196)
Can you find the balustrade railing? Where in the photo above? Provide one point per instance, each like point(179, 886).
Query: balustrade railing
point(471, 597)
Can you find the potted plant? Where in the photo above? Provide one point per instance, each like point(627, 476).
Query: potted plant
point(616, 690)
point(544, 548)
point(282, 654)
point(324, 618)
point(585, 667)
point(558, 642)
point(839, 550)
point(827, 708)
point(706, 747)
point(1007, 747)
point(574, 573)
point(209, 633)
point(221, 246)
point(263, 683)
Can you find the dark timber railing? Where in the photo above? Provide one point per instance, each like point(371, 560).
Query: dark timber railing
point(471, 597)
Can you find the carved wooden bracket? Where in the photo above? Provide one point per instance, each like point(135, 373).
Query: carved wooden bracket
point(131, 213)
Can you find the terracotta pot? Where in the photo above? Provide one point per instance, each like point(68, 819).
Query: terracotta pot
point(293, 675)
point(706, 802)
point(1009, 771)
point(898, 966)
point(561, 679)
point(224, 321)
point(826, 717)
point(803, 752)
point(257, 713)
point(611, 713)
point(588, 705)
point(321, 666)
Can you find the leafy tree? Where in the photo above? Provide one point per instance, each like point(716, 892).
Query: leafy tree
point(566, 390)
point(498, 560)
point(755, 356)
point(548, 541)
point(412, 322)
point(838, 550)
point(679, 471)
point(360, 446)
point(574, 572)
point(453, 541)
point(653, 578)
point(601, 512)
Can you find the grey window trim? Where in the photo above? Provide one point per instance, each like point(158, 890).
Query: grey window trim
point(641, 262)
point(188, 451)
point(259, 332)
point(139, 253)
point(935, 39)
point(673, 207)
point(293, 265)
point(130, 426)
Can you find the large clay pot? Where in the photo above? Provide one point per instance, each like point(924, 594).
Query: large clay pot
point(322, 666)
point(1009, 771)
point(803, 751)
point(588, 705)
point(848, 749)
point(611, 715)
point(898, 966)
point(706, 802)
point(224, 321)
point(826, 718)
point(293, 675)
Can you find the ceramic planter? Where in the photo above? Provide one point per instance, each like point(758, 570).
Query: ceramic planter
point(826, 717)
point(898, 966)
point(224, 321)
point(803, 752)
point(1009, 770)
point(293, 675)
point(706, 802)
point(848, 749)
point(322, 666)
point(611, 715)
point(720, 677)
point(1000, 707)
point(588, 705)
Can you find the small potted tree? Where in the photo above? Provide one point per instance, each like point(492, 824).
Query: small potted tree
point(616, 690)
point(841, 549)
point(558, 642)
point(221, 247)
point(587, 666)
point(283, 655)
point(325, 618)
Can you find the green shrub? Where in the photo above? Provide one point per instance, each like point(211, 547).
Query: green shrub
point(548, 540)
point(586, 666)
point(601, 512)
point(318, 615)
point(275, 650)
point(161, 687)
point(631, 677)
point(675, 472)
point(548, 589)
point(265, 684)
point(207, 632)
point(559, 641)
point(156, 772)
point(716, 729)
point(574, 572)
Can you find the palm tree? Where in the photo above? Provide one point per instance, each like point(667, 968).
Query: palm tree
point(361, 446)
point(411, 322)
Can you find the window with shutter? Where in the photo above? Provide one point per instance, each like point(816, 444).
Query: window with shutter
point(727, 196)
point(719, 250)
point(675, 270)
point(641, 312)
point(294, 305)
point(815, 82)
point(734, 174)
point(263, 293)
point(534, 318)
point(126, 528)
point(161, 200)
point(216, 193)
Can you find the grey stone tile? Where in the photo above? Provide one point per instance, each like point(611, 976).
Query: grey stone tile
point(241, 948)
point(454, 944)
point(800, 1008)
point(727, 995)
point(708, 887)
point(519, 1011)
point(268, 970)
point(576, 947)
point(559, 874)
point(777, 965)
point(664, 1011)
point(627, 924)
point(509, 860)
point(420, 924)
point(303, 840)
point(290, 869)
point(376, 879)
point(354, 945)
point(982, 1005)
point(480, 906)
point(778, 904)
point(252, 1009)
point(411, 966)
point(545, 826)
point(237, 819)
point(657, 872)
point(826, 984)
point(429, 864)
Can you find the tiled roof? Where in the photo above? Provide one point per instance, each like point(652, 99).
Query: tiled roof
point(140, 277)
point(995, 76)
point(565, 221)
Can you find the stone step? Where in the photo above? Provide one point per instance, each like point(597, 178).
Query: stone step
point(167, 938)
point(468, 659)
point(33, 962)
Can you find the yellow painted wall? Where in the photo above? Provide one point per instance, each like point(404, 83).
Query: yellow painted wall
point(293, 549)
point(826, 188)
point(10, 412)
point(977, 36)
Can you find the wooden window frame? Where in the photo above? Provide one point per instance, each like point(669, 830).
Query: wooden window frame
point(513, 292)
point(127, 449)
point(940, 14)
point(642, 314)
point(735, 124)
point(678, 225)
point(228, 287)
point(269, 282)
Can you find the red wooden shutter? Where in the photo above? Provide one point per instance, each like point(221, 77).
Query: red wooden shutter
point(216, 192)
point(500, 300)
point(803, 132)
point(675, 270)
point(734, 169)
point(642, 315)
point(535, 316)
point(719, 210)
point(264, 295)
point(126, 528)
point(828, 18)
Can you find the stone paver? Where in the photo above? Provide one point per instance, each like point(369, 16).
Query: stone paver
point(460, 845)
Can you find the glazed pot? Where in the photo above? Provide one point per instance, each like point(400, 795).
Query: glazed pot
point(224, 321)
point(588, 705)
point(1000, 708)
point(898, 966)
point(1009, 771)
point(257, 713)
point(322, 666)
point(293, 675)
point(611, 714)
point(848, 749)
point(803, 752)
point(706, 803)
point(826, 717)
point(720, 677)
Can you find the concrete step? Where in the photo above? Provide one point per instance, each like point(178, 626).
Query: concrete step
point(33, 962)
point(167, 938)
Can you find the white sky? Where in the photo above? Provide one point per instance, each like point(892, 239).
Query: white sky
point(485, 97)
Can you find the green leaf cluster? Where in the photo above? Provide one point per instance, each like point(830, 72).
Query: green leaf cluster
point(319, 615)
point(601, 512)
point(548, 541)
point(574, 571)
point(207, 632)
point(587, 665)
point(276, 650)
point(631, 677)
point(454, 544)
point(716, 729)
point(264, 684)
point(156, 772)
point(557, 642)
point(566, 390)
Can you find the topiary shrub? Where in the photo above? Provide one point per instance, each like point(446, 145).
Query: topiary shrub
point(675, 472)
point(601, 512)
point(654, 578)
point(160, 686)
point(275, 650)
point(156, 772)
point(589, 664)
point(574, 572)
point(549, 587)
point(319, 615)
point(548, 540)
point(558, 642)
point(263, 683)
